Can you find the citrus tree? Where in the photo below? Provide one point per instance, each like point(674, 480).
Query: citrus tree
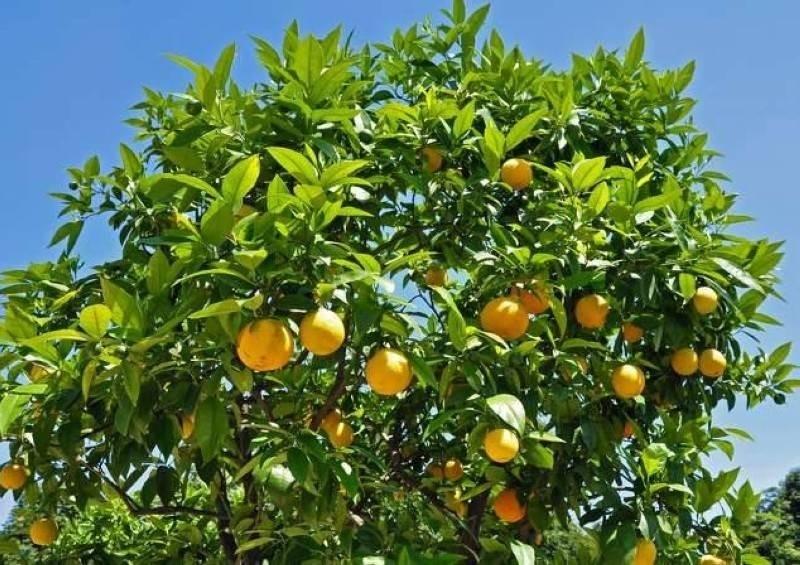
point(415, 301)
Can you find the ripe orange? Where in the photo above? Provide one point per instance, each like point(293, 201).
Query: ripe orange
point(705, 300)
point(684, 361)
point(517, 173)
point(432, 158)
point(13, 476)
point(43, 531)
point(534, 302)
point(506, 317)
point(591, 311)
point(341, 435)
point(265, 345)
point(628, 381)
point(645, 553)
point(501, 445)
point(388, 372)
point(632, 333)
point(322, 332)
point(435, 471)
point(187, 425)
point(331, 419)
point(712, 363)
point(453, 470)
point(507, 506)
point(435, 276)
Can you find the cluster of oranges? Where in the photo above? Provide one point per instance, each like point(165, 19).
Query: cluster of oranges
point(43, 531)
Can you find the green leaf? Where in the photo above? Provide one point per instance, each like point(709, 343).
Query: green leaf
point(739, 274)
point(162, 186)
point(464, 120)
point(523, 129)
point(125, 310)
point(545, 437)
point(633, 56)
point(10, 409)
point(240, 180)
point(87, 378)
point(509, 409)
point(598, 199)
point(523, 553)
point(222, 308)
point(158, 272)
point(295, 164)
point(70, 232)
point(537, 454)
point(217, 222)
point(422, 371)
point(250, 259)
point(308, 60)
point(298, 464)
point(338, 172)
point(130, 161)
point(222, 68)
point(278, 196)
point(185, 157)
point(95, 320)
point(687, 285)
point(212, 427)
point(560, 315)
point(655, 202)
point(132, 381)
point(587, 172)
point(654, 458)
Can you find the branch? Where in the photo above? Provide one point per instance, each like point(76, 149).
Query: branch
point(339, 384)
point(470, 537)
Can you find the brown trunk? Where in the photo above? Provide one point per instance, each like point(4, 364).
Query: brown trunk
point(470, 539)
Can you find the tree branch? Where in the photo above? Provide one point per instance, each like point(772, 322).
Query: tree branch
point(470, 538)
point(339, 384)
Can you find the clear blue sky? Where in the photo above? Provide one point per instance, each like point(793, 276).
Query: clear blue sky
point(71, 70)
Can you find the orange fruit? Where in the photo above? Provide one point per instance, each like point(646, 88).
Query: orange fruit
point(388, 372)
point(453, 470)
point(331, 419)
point(632, 333)
point(517, 173)
point(712, 363)
point(705, 300)
point(684, 361)
point(628, 381)
point(645, 553)
point(435, 276)
point(534, 302)
point(187, 425)
point(591, 311)
point(501, 445)
point(627, 429)
point(432, 158)
point(435, 471)
point(341, 435)
point(322, 332)
point(265, 345)
point(506, 317)
point(43, 531)
point(507, 506)
point(13, 476)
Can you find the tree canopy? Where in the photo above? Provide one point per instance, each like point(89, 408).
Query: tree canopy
point(416, 301)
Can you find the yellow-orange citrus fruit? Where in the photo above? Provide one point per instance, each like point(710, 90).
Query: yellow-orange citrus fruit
point(708, 559)
point(627, 429)
point(705, 300)
point(591, 311)
point(331, 419)
point(517, 173)
point(684, 361)
point(265, 345)
point(43, 531)
point(187, 425)
point(506, 317)
point(501, 445)
point(432, 158)
point(631, 333)
point(712, 363)
point(645, 553)
point(628, 381)
point(507, 506)
point(37, 372)
point(13, 476)
point(322, 332)
point(453, 470)
point(435, 471)
point(435, 276)
point(534, 302)
point(388, 372)
point(341, 435)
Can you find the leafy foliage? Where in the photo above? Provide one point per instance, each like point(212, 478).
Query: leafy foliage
point(309, 190)
point(774, 532)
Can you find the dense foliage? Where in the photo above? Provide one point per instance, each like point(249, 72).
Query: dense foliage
point(369, 181)
point(774, 532)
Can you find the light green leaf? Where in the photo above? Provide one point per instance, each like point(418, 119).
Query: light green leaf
point(687, 285)
point(278, 196)
point(523, 129)
point(633, 56)
point(739, 274)
point(308, 60)
point(587, 172)
point(523, 553)
point(509, 409)
point(10, 409)
point(655, 202)
point(222, 308)
point(296, 164)
point(337, 172)
point(598, 199)
point(464, 120)
point(241, 179)
point(124, 308)
point(217, 222)
point(95, 320)
point(212, 427)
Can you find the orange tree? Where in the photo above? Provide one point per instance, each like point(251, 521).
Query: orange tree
point(417, 300)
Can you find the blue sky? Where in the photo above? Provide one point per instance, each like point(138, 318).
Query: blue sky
point(71, 70)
